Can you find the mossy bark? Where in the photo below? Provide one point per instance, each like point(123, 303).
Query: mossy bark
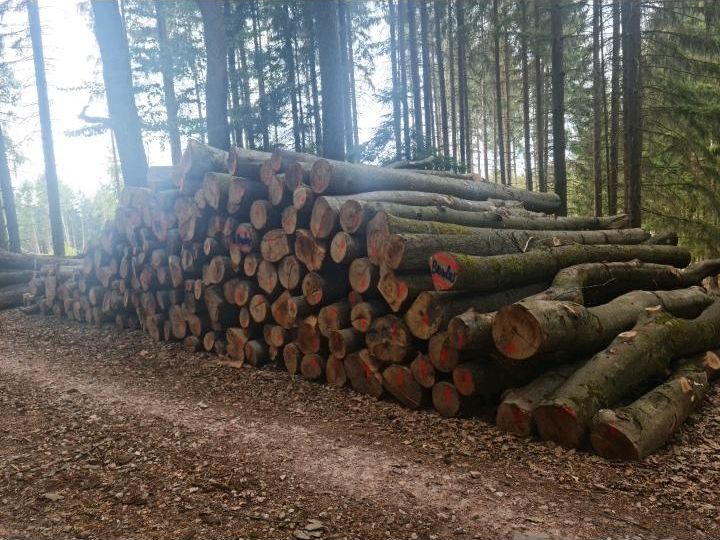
point(631, 358)
point(455, 271)
point(637, 430)
point(529, 328)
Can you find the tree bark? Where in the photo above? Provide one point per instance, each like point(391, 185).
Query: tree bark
point(460, 272)
point(637, 430)
point(411, 11)
point(259, 57)
point(409, 251)
point(558, 103)
point(336, 178)
point(632, 358)
point(432, 310)
point(631, 11)
point(597, 109)
point(614, 110)
point(53, 192)
point(515, 412)
point(166, 63)
point(397, 130)
point(402, 50)
point(326, 17)
point(216, 80)
point(462, 83)
point(526, 93)
point(426, 74)
point(526, 329)
point(440, 59)
point(8, 199)
point(539, 114)
point(289, 59)
point(500, 143)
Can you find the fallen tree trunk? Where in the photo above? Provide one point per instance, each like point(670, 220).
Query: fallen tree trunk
point(475, 241)
point(339, 178)
point(638, 429)
point(15, 278)
point(462, 272)
point(526, 329)
point(28, 261)
point(355, 214)
point(592, 283)
point(12, 296)
point(515, 412)
point(432, 310)
point(564, 223)
point(632, 358)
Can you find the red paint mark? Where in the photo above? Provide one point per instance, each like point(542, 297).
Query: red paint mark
point(509, 347)
point(332, 312)
point(402, 290)
point(425, 319)
point(444, 355)
point(363, 324)
point(448, 394)
point(400, 377)
point(566, 409)
point(519, 416)
point(423, 369)
point(364, 284)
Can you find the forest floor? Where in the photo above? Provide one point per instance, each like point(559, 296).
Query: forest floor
point(108, 434)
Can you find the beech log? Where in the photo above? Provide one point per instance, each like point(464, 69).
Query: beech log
point(313, 366)
point(632, 358)
point(310, 251)
point(463, 272)
point(340, 178)
point(640, 428)
point(275, 245)
point(389, 340)
point(345, 341)
point(423, 371)
point(364, 313)
point(334, 317)
point(526, 329)
point(335, 372)
point(345, 248)
point(399, 381)
point(365, 373)
point(399, 290)
point(432, 310)
point(291, 272)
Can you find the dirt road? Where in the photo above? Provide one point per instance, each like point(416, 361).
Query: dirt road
point(108, 434)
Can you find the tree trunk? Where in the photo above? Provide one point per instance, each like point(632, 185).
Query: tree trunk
point(631, 11)
point(392, 22)
point(460, 272)
point(597, 109)
point(345, 71)
point(500, 143)
point(632, 358)
point(440, 59)
point(365, 373)
point(363, 314)
point(326, 17)
point(260, 73)
point(427, 73)
point(8, 198)
point(124, 118)
point(415, 75)
point(402, 49)
point(558, 103)
point(216, 80)
point(614, 110)
point(399, 381)
point(594, 283)
point(337, 178)
point(231, 30)
point(166, 62)
point(637, 430)
point(53, 192)
point(510, 164)
point(351, 74)
point(462, 82)
point(289, 58)
point(451, 62)
point(524, 330)
point(539, 114)
point(247, 106)
point(526, 93)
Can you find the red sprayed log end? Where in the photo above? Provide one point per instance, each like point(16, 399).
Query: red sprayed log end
point(559, 423)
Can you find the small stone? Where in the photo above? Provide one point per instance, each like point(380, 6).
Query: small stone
point(52, 496)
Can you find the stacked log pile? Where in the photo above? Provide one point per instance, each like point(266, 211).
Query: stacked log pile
point(434, 288)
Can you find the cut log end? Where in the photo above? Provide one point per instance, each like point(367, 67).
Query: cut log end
point(517, 333)
point(513, 418)
point(312, 366)
point(335, 372)
point(559, 423)
point(320, 175)
point(446, 399)
point(610, 441)
point(399, 381)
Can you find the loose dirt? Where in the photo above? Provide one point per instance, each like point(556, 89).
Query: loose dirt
point(107, 434)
